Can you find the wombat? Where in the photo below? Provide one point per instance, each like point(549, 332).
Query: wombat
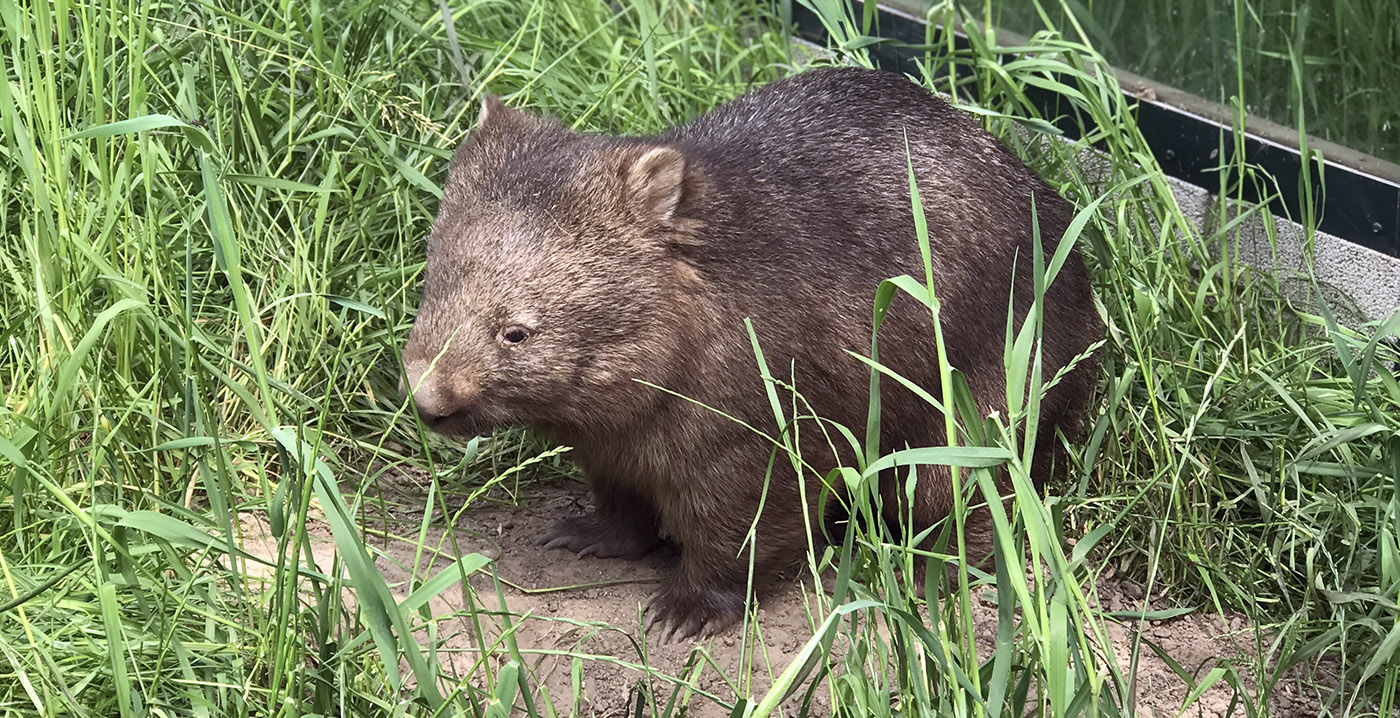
point(569, 275)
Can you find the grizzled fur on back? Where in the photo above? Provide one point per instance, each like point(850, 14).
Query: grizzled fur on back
point(568, 271)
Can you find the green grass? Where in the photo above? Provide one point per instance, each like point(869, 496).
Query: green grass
point(1343, 52)
point(213, 235)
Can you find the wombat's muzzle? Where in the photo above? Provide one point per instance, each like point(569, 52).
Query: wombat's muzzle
point(443, 403)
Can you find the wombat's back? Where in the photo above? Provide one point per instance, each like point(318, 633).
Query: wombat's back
point(813, 209)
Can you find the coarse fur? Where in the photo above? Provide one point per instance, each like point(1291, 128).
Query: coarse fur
point(568, 271)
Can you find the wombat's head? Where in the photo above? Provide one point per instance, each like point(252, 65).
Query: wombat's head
point(555, 279)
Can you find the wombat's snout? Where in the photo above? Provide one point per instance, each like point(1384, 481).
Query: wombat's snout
point(435, 395)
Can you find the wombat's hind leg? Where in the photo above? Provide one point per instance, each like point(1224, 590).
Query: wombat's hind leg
point(623, 525)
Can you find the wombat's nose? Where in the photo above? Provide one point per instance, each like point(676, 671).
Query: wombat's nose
point(433, 393)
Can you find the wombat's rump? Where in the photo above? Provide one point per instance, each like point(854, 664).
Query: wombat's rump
point(568, 271)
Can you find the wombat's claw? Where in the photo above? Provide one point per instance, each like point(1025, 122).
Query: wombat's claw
point(665, 627)
point(589, 536)
point(696, 615)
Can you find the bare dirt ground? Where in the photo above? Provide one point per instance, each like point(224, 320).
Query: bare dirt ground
point(576, 623)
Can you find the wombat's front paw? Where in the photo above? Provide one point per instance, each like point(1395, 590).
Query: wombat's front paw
point(591, 536)
point(680, 612)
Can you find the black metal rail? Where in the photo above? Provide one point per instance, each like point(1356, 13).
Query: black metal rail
point(1353, 205)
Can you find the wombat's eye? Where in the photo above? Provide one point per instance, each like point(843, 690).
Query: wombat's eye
point(514, 335)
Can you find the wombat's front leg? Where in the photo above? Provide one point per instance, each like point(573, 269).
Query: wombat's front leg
point(705, 595)
point(623, 524)
point(695, 601)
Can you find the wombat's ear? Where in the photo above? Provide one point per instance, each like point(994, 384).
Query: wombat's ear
point(655, 182)
point(492, 109)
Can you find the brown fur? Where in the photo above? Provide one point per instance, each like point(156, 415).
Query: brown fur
point(629, 260)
